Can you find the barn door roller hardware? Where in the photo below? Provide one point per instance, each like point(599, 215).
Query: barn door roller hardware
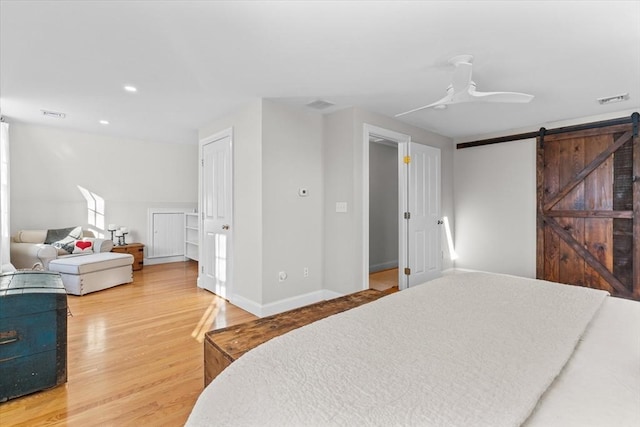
point(634, 118)
point(542, 132)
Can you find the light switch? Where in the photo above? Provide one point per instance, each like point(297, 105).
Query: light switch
point(341, 207)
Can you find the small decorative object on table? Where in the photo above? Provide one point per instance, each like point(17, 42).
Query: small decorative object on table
point(120, 234)
point(112, 228)
point(124, 231)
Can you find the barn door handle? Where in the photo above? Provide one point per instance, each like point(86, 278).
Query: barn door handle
point(634, 178)
point(225, 227)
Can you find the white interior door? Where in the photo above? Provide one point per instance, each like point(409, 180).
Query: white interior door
point(423, 225)
point(217, 216)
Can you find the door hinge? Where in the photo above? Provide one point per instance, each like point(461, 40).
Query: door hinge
point(407, 215)
point(407, 159)
point(407, 271)
point(202, 162)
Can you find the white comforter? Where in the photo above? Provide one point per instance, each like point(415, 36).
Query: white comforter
point(465, 350)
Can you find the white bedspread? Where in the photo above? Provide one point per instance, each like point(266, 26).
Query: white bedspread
point(465, 350)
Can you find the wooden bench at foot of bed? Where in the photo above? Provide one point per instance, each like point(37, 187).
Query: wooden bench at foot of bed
point(223, 346)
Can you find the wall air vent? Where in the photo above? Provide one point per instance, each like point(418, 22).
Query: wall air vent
point(613, 99)
point(320, 104)
point(54, 114)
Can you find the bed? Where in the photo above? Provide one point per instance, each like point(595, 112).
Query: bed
point(474, 349)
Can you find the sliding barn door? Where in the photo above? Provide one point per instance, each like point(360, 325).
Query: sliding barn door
point(588, 221)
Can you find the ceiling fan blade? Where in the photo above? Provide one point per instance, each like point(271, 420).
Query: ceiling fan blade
point(508, 97)
point(461, 76)
point(444, 101)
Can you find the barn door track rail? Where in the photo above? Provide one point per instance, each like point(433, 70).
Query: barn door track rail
point(634, 118)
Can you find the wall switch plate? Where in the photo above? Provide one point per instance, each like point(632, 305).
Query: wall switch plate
point(341, 207)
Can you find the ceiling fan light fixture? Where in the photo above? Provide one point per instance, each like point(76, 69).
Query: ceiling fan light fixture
point(463, 89)
point(613, 99)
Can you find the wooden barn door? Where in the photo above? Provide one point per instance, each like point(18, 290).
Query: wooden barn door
point(588, 221)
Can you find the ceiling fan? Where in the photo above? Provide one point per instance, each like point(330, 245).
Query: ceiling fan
point(463, 89)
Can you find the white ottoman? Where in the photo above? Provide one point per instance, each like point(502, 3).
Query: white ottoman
point(93, 272)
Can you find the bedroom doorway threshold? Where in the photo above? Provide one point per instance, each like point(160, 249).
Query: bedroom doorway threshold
point(384, 280)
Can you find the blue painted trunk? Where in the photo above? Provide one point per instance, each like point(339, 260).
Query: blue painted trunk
point(33, 333)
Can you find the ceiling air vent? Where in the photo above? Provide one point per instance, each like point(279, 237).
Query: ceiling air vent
point(613, 99)
point(320, 104)
point(55, 114)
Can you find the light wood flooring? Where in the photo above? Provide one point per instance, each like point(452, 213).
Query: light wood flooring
point(135, 354)
point(384, 280)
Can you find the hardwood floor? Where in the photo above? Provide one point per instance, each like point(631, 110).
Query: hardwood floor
point(384, 280)
point(135, 354)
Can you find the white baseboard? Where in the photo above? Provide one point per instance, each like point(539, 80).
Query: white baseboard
point(164, 260)
point(246, 304)
point(263, 310)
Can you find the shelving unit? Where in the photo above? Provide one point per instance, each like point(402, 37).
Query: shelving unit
point(191, 235)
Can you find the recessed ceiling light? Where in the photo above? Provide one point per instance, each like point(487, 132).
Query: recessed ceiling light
point(104, 122)
point(129, 88)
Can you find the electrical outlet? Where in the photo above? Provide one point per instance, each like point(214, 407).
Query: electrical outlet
point(282, 276)
point(305, 272)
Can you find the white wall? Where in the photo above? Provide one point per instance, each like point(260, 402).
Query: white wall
point(48, 164)
point(292, 233)
point(341, 262)
point(495, 200)
point(343, 178)
point(277, 151)
point(383, 207)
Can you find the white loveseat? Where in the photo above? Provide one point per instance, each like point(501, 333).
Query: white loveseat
point(29, 250)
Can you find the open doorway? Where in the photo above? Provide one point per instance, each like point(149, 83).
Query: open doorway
point(399, 143)
point(417, 209)
point(383, 214)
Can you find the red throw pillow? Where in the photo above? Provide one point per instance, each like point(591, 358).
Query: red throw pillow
point(82, 247)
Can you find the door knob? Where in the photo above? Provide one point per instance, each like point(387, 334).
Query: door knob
point(225, 227)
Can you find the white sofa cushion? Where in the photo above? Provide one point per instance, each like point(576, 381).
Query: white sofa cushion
point(89, 263)
point(30, 236)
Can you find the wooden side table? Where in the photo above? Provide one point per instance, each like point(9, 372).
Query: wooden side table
point(135, 249)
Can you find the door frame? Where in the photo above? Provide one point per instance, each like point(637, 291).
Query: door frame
point(228, 132)
point(403, 145)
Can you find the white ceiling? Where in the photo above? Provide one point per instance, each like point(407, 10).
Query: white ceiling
point(195, 61)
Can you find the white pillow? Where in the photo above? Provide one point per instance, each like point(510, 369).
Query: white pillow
point(82, 247)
